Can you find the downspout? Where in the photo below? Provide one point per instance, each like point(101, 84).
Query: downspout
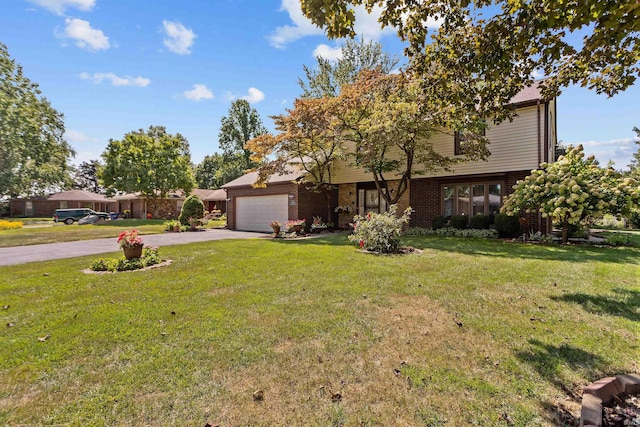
point(539, 158)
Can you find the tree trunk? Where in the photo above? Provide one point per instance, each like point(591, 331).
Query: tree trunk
point(565, 232)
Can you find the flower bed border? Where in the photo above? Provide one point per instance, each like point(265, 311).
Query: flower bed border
point(163, 263)
point(603, 391)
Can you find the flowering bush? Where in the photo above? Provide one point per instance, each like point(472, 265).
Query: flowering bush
point(294, 222)
point(380, 232)
point(130, 239)
point(275, 224)
point(9, 225)
point(573, 189)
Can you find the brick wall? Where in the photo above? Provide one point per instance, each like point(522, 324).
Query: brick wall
point(347, 196)
point(425, 198)
point(315, 204)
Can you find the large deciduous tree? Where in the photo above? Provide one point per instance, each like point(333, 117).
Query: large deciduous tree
point(389, 121)
point(308, 140)
point(216, 170)
point(240, 125)
point(85, 177)
point(593, 44)
point(573, 189)
point(152, 163)
point(328, 77)
point(33, 153)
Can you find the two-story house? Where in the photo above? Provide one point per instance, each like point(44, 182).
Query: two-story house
point(470, 188)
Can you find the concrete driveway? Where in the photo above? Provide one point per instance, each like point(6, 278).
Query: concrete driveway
point(23, 254)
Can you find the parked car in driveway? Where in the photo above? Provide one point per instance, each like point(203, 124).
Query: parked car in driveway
point(68, 216)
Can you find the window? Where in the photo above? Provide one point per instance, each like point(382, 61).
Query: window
point(458, 142)
point(28, 208)
point(483, 198)
point(63, 204)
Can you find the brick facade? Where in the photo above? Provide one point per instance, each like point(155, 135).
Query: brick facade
point(426, 198)
point(315, 204)
point(43, 208)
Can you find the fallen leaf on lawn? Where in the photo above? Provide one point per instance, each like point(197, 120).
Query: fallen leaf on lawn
point(10, 324)
point(45, 274)
point(336, 397)
point(44, 338)
point(6, 307)
point(258, 395)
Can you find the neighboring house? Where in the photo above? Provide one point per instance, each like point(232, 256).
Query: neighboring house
point(253, 209)
point(46, 206)
point(471, 188)
point(138, 206)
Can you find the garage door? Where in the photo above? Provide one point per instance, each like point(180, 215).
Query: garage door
point(255, 213)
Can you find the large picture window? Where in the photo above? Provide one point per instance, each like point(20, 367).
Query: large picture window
point(369, 200)
point(472, 199)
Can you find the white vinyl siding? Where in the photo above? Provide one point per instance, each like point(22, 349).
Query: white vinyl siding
point(255, 213)
point(513, 146)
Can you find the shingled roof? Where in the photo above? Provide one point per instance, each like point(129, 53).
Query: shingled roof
point(79, 196)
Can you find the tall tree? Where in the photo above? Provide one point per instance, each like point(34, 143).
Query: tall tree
point(216, 170)
point(328, 76)
point(308, 140)
point(240, 125)
point(501, 43)
point(152, 163)
point(33, 153)
point(85, 177)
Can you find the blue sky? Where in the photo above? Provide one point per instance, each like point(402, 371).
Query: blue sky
point(116, 66)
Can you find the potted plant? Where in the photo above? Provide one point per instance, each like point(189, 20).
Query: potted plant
point(131, 244)
point(295, 225)
point(276, 226)
point(317, 225)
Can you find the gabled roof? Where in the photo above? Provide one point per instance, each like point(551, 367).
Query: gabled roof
point(202, 193)
point(250, 178)
point(79, 196)
point(528, 94)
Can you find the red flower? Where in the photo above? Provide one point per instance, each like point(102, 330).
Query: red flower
point(361, 243)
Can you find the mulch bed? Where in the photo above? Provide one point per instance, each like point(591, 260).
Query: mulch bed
point(622, 412)
point(164, 263)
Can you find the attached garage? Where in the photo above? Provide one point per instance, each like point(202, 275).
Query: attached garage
point(255, 213)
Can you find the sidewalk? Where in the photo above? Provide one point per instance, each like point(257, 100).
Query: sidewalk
point(51, 251)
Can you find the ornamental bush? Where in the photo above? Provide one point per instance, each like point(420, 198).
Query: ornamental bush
point(191, 208)
point(573, 189)
point(10, 225)
point(480, 222)
point(459, 221)
point(380, 232)
point(452, 232)
point(437, 222)
point(507, 225)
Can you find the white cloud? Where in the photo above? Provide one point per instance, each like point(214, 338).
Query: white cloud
point(253, 96)
point(85, 37)
point(179, 38)
point(366, 25)
point(116, 80)
point(620, 150)
point(59, 6)
point(327, 52)
point(198, 92)
point(75, 137)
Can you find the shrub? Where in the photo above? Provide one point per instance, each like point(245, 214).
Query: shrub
point(634, 218)
point(453, 232)
point(507, 225)
point(480, 222)
point(459, 221)
point(103, 264)
point(149, 257)
point(380, 232)
point(191, 208)
point(437, 222)
point(10, 225)
point(618, 239)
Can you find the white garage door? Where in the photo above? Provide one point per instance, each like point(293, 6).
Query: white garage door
point(255, 213)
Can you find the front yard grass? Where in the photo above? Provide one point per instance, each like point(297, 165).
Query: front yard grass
point(59, 232)
point(469, 332)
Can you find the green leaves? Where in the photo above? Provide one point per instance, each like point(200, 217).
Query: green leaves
point(33, 152)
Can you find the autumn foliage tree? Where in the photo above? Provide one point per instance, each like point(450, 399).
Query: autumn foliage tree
point(573, 189)
point(308, 140)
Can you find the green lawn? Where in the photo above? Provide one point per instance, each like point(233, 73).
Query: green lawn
point(469, 332)
point(53, 233)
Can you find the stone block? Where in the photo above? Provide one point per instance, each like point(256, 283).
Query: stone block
point(605, 388)
point(630, 383)
point(591, 414)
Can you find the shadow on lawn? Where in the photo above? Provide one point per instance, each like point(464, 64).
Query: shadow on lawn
point(555, 252)
point(550, 362)
point(626, 303)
